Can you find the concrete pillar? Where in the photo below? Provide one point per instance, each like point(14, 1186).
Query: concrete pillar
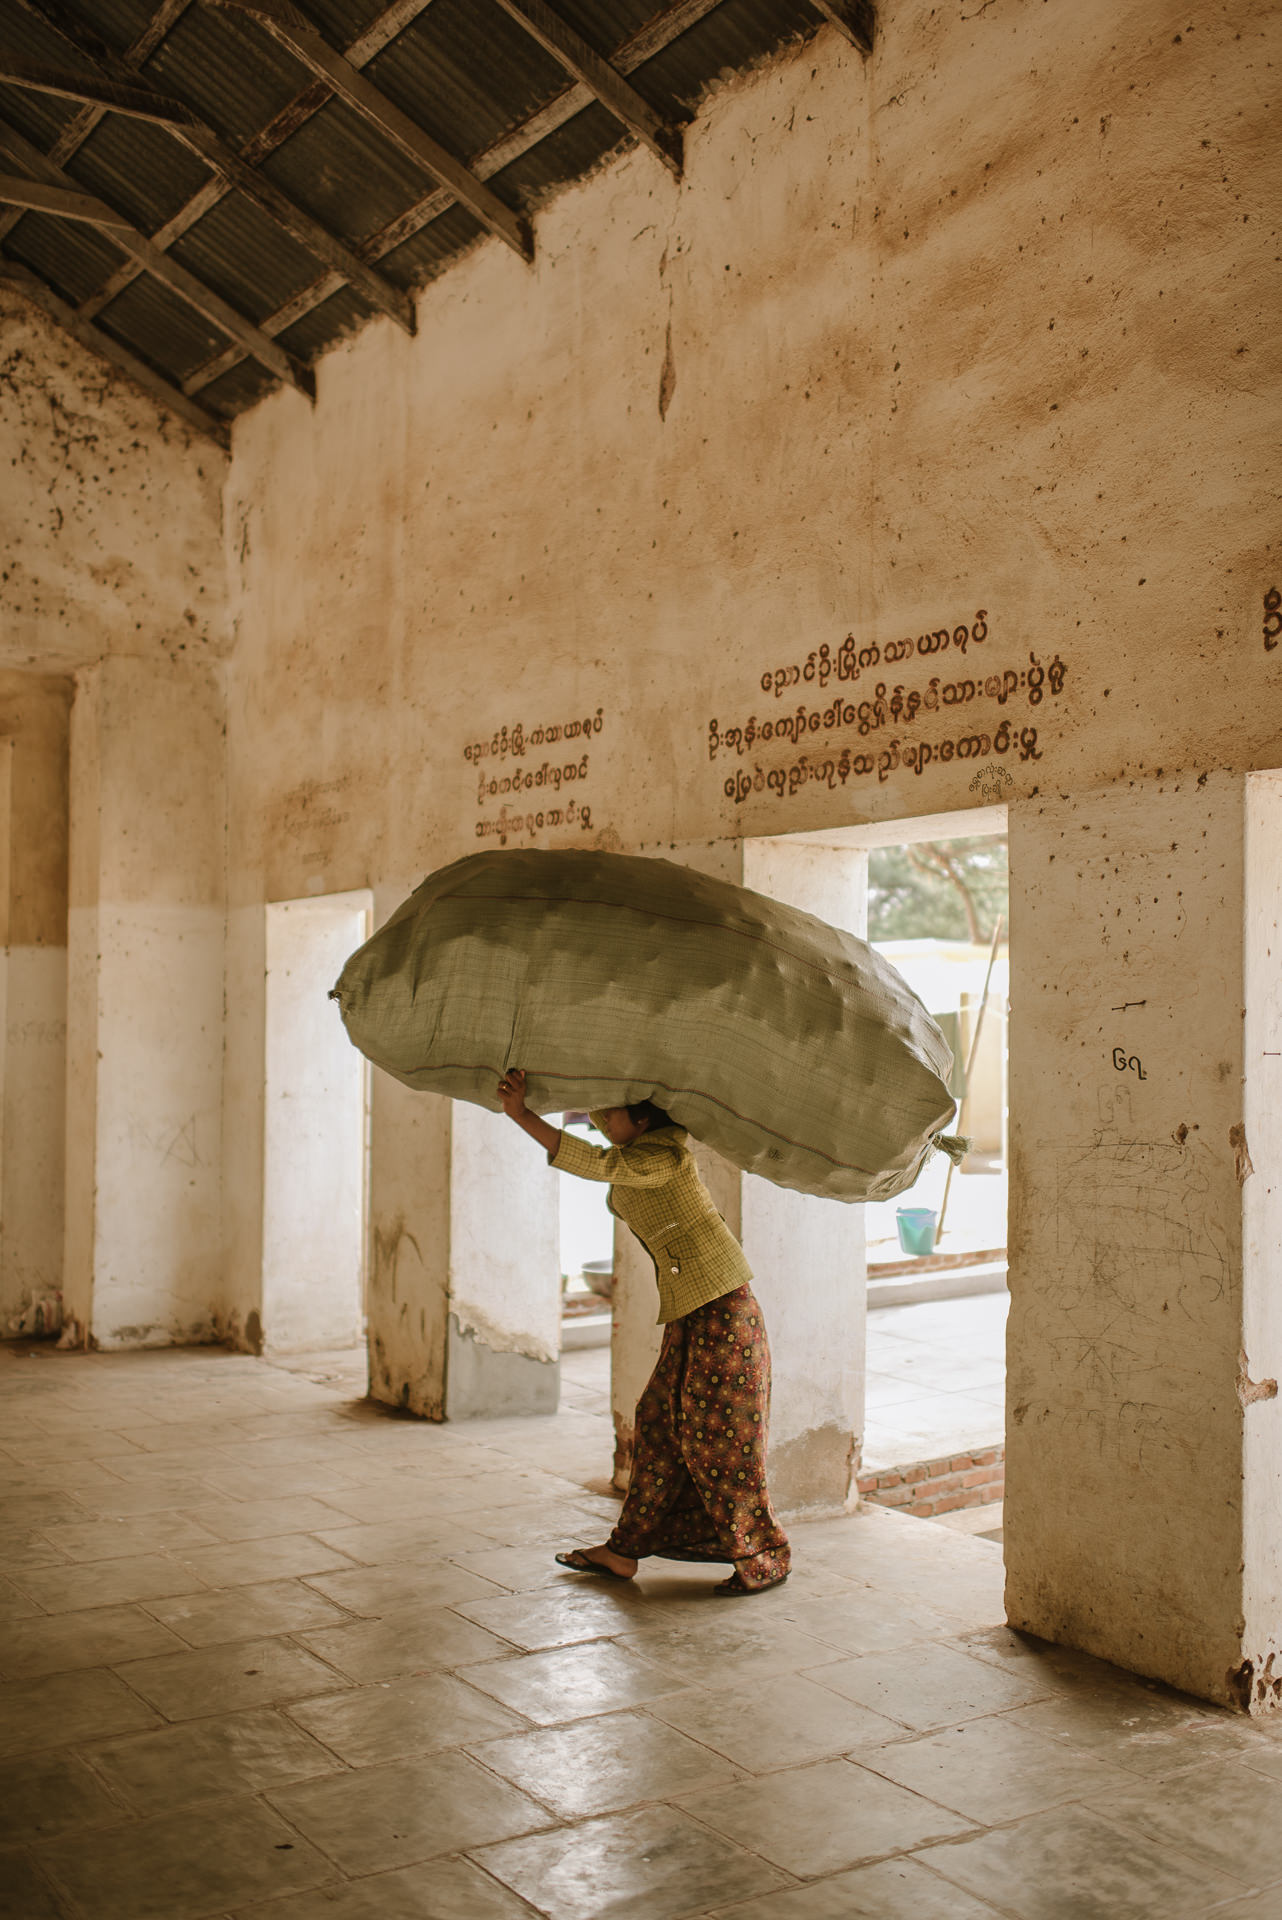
point(1144, 1429)
point(314, 1135)
point(807, 1255)
point(145, 1004)
point(33, 996)
point(503, 1327)
point(464, 1292)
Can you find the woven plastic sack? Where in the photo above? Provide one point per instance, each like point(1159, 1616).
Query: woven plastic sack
point(791, 1048)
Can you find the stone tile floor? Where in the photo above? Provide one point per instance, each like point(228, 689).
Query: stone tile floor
point(936, 1380)
point(270, 1654)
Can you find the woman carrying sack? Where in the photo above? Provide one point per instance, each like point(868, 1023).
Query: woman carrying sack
point(698, 1487)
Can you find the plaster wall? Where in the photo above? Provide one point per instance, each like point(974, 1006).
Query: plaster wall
point(33, 973)
point(313, 1260)
point(809, 1256)
point(143, 1252)
point(505, 1270)
point(109, 512)
point(1142, 1281)
point(969, 341)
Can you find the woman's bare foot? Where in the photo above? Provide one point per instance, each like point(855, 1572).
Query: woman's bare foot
point(615, 1563)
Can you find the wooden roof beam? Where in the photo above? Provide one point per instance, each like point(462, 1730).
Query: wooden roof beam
point(134, 95)
point(41, 295)
point(584, 64)
point(644, 45)
point(210, 305)
point(380, 33)
point(82, 124)
point(33, 197)
point(856, 19)
point(140, 103)
point(294, 31)
point(281, 127)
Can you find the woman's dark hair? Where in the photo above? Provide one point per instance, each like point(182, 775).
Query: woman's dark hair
point(653, 1116)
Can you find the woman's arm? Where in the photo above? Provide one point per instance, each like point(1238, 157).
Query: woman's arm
point(512, 1094)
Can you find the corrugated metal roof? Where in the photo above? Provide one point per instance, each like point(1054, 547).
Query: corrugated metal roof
point(464, 71)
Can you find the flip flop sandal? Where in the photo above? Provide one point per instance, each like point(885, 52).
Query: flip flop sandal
point(577, 1561)
point(734, 1588)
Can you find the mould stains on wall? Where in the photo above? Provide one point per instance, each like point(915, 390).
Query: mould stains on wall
point(111, 535)
point(388, 1243)
point(1253, 1688)
point(1241, 1155)
point(667, 375)
point(814, 1472)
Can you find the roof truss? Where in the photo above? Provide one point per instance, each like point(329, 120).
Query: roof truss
point(103, 81)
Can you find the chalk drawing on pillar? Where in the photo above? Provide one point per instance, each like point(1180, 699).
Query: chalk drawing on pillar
point(890, 717)
point(539, 775)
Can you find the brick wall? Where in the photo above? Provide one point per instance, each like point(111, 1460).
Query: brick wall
point(929, 1487)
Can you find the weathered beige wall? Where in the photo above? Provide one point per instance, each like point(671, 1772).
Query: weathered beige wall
point(144, 1262)
point(33, 963)
point(109, 510)
point(1134, 1444)
point(113, 580)
point(985, 324)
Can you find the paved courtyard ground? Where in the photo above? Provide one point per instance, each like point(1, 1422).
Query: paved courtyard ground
point(269, 1652)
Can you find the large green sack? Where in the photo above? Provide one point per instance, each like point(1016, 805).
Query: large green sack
point(792, 1048)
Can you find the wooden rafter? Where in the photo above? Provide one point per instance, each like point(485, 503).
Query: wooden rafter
point(281, 127)
point(857, 19)
point(33, 197)
point(644, 45)
point(235, 172)
point(140, 103)
point(34, 289)
point(584, 64)
point(296, 32)
point(210, 305)
point(380, 33)
point(82, 124)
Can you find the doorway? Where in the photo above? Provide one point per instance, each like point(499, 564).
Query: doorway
point(316, 1130)
point(934, 1360)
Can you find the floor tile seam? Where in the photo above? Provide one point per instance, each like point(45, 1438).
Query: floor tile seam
point(943, 1726)
point(961, 1839)
point(1125, 1831)
point(443, 1673)
point(71, 1906)
point(535, 1913)
point(1083, 1799)
point(237, 1640)
point(85, 1754)
point(864, 1860)
point(202, 1586)
point(577, 1821)
point(1133, 1830)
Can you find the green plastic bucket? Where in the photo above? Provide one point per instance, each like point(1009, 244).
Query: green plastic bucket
point(916, 1228)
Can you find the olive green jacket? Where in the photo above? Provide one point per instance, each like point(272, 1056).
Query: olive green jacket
point(655, 1189)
